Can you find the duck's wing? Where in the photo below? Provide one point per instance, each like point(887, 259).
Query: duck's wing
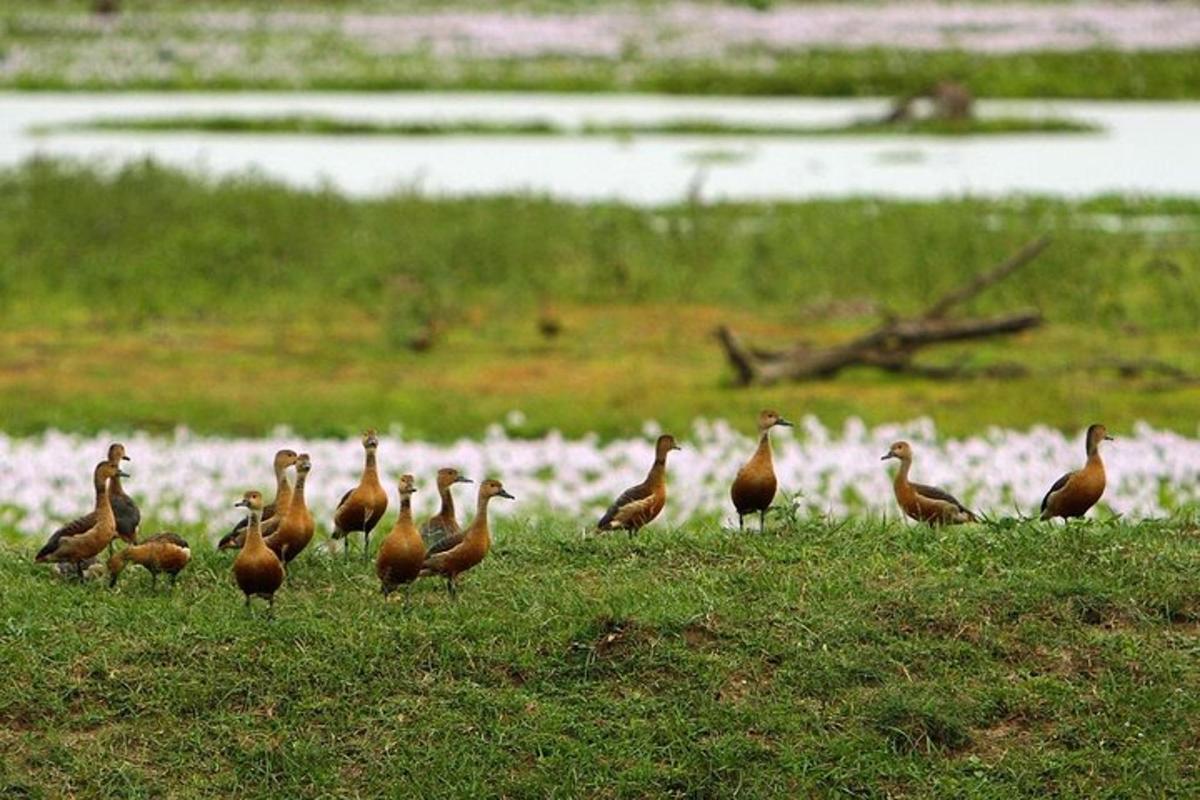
point(127, 514)
point(233, 538)
point(634, 495)
point(170, 538)
point(444, 545)
point(342, 502)
point(934, 493)
point(73, 528)
point(1058, 484)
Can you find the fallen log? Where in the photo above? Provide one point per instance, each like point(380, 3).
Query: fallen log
point(893, 344)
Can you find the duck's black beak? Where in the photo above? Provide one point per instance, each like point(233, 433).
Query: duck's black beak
point(785, 423)
point(676, 447)
point(889, 455)
point(126, 458)
point(122, 474)
point(241, 504)
point(463, 479)
point(1108, 438)
point(503, 493)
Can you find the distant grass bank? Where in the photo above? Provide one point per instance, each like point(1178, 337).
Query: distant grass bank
point(305, 124)
point(820, 660)
point(147, 299)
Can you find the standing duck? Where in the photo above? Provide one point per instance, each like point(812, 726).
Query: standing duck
point(924, 503)
point(79, 547)
point(402, 553)
point(294, 528)
point(1074, 493)
point(163, 552)
point(273, 510)
point(444, 524)
point(754, 487)
point(640, 504)
point(361, 508)
point(125, 511)
point(450, 562)
point(257, 569)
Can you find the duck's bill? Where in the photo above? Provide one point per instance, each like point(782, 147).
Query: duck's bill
point(463, 479)
point(786, 423)
point(241, 504)
point(886, 457)
point(123, 474)
point(503, 493)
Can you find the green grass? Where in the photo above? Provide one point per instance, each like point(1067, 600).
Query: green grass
point(301, 124)
point(147, 299)
point(820, 660)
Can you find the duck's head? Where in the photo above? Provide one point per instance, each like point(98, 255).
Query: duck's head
point(116, 453)
point(900, 450)
point(407, 485)
point(1095, 435)
point(107, 470)
point(303, 464)
point(447, 476)
point(370, 439)
point(493, 488)
point(768, 419)
point(285, 459)
point(665, 444)
point(251, 500)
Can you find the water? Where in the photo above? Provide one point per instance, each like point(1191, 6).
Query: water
point(1145, 148)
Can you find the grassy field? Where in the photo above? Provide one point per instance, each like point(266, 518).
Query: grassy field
point(535, 127)
point(858, 660)
point(148, 299)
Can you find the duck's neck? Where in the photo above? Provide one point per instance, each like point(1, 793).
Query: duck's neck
point(902, 475)
point(658, 471)
point(254, 539)
point(447, 502)
point(405, 508)
point(103, 507)
point(1093, 455)
point(114, 487)
point(298, 493)
point(479, 525)
point(283, 489)
point(370, 472)
point(764, 446)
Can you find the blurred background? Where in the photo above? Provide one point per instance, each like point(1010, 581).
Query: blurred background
point(235, 216)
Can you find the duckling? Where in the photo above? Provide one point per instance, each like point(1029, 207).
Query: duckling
point(452, 561)
point(79, 547)
point(640, 504)
point(444, 524)
point(125, 511)
point(924, 503)
point(754, 487)
point(294, 529)
point(1074, 493)
point(402, 553)
point(273, 510)
point(361, 508)
point(257, 569)
point(163, 552)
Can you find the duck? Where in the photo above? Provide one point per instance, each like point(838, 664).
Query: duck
point(924, 503)
point(402, 554)
point(78, 548)
point(294, 529)
point(128, 516)
point(444, 524)
point(257, 570)
point(273, 510)
point(452, 561)
point(361, 508)
point(754, 487)
point(638, 505)
point(163, 552)
point(1076, 492)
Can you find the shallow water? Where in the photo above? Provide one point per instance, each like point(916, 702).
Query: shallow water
point(1146, 148)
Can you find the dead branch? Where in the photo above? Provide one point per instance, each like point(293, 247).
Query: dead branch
point(892, 345)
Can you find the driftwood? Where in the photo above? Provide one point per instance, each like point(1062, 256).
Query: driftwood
point(893, 344)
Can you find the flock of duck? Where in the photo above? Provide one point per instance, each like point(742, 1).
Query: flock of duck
point(272, 535)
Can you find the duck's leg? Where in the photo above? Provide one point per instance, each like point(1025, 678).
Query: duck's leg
point(270, 606)
point(451, 588)
point(407, 596)
point(762, 521)
point(367, 533)
point(174, 577)
point(247, 602)
point(741, 523)
point(153, 579)
point(79, 570)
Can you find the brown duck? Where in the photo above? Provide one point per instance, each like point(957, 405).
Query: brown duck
point(163, 552)
point(257, 569)
point(640, 504)
point(444, 524)
point(450, 562)
point(361, 508)
point(754, 487)
point(294, 528)
point(79, 547)
point(125, 511)
point(920, 502)
point(402, 553)
point(1076, 492)
point(273, 510)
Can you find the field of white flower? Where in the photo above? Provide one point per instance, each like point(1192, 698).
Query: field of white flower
point(191, 481)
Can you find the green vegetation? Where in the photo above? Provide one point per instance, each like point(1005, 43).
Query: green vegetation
point(150, 299)
point(850, 660)
point(300, 124)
